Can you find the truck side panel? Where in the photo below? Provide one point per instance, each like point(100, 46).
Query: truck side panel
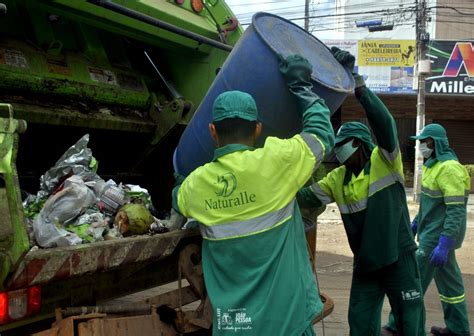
point(13, 237)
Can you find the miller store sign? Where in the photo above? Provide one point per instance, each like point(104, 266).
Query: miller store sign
point(452, 68)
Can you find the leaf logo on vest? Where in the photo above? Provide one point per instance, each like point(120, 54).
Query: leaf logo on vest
point(410, 295)
point(227, 184)
point(233, 319)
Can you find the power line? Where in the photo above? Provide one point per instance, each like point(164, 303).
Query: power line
point(397, 5)
point(387, 11)
point(401, 17)
point(452, 8)
point(333, 19)
point(366, 5)
point(446, 21)
point(447, 16)
point(294, 9)
point(259, 3)
point(335, 25)
point(356, 29)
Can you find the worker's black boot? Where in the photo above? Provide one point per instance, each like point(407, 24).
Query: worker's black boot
point(441, 331)
point(387, 332)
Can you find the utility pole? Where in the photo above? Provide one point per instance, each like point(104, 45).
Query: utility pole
point(306, 15)
point(422, 38)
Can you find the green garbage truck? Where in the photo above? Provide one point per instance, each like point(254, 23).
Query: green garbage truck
point(128, 73)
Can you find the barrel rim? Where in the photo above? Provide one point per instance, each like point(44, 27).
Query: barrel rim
point(257, 29)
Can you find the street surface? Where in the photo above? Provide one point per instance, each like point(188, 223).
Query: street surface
point(334, 268)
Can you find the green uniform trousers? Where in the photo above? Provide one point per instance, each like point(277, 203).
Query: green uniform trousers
point(450, 286)
point(401, 283)
point(309, 331)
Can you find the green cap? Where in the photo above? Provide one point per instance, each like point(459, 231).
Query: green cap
point(234, 104)
point(353, 129)
point(435, 131)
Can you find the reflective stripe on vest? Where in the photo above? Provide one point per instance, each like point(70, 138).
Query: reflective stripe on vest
point(320, 194)
point(361, 204)
point(447, 199)
point(316, 146)
point(457, 199)
point(385, 182)
point(390, 156)
point(454, 199)
point(373, 188)
point(431, 193)
point(353, 207)
point(248, 227)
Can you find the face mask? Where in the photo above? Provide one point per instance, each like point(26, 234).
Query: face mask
point(345, 151)
point(425, 151)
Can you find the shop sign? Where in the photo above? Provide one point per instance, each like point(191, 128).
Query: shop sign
point(391, 53)
point(452, 68)
point(386, 65)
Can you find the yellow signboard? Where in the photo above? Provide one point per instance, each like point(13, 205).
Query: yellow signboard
point(387, 53)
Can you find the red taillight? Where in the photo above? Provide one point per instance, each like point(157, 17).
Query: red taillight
point(20, 303)
point(197, 5)
point(3, 307)
point(34, 299)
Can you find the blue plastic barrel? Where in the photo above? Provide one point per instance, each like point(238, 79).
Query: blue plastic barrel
point(252, 67)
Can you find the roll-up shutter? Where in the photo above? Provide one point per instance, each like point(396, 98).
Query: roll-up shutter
point(461, 138)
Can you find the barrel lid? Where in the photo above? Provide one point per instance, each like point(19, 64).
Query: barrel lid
point(286, 38)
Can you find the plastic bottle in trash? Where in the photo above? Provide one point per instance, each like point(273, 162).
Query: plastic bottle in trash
point(110, 197)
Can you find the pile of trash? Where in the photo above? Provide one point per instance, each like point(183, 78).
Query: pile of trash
point(75, 205)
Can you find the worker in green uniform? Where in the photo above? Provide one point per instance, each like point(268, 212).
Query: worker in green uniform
point(441, 226)
point(369, 190)
point(255, 260)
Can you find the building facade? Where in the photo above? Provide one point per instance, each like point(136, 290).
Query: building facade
point(449, 88)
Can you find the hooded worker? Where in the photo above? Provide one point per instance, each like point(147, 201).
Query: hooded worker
point(369, 190)
point(255, 261)
point(441, 226)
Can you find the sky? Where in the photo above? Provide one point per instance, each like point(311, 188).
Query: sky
point(244, 9)
point(324, 28)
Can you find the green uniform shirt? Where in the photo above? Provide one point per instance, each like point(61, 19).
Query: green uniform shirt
point(443, 203)
point(255, 259)
point(373, 204)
